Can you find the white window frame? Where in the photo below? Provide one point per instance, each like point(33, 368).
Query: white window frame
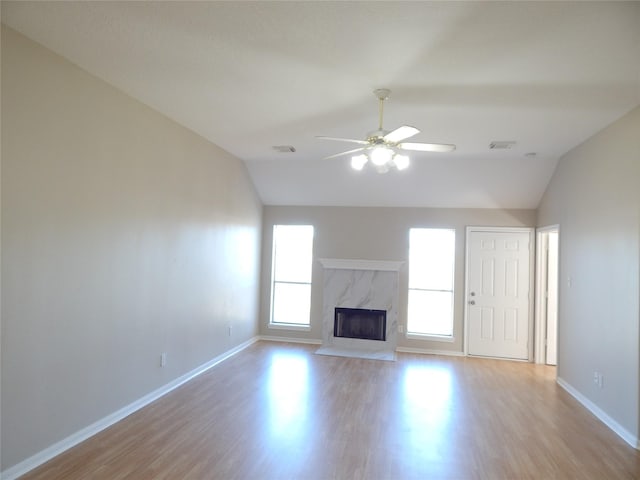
point(282, 325)
point(433, 336)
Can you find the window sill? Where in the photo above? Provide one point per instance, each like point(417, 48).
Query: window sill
point(430, 338)
point(290, 326)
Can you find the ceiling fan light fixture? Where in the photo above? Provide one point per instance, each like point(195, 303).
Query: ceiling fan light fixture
point(380, 155)
point(401, 162)
point(358, 162)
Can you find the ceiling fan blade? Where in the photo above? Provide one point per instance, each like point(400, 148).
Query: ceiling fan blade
point(350, 140)
point(344, 153)
point(427, 147)
point(401, 133)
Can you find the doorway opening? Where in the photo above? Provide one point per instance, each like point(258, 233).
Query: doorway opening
point(547, 261)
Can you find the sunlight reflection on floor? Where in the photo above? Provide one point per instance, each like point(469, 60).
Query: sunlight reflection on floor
point(288, 394)
point(426, 410)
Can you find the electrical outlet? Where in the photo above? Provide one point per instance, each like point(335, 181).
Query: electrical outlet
point(163, 359)
point(400, 328)
point(598, 379)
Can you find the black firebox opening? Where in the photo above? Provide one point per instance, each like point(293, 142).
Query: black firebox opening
point(360, 323)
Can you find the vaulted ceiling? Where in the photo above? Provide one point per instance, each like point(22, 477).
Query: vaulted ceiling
point(252, 75)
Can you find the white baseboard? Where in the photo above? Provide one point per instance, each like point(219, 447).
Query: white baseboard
point(426, 351)
point(600, 414)
point(310, 341)
point(96, 427)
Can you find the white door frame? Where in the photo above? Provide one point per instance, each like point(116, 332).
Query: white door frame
point(532, 237)
point(541, 287)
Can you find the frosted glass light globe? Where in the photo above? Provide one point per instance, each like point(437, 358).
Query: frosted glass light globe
point(381, 155)
point(401, 161)
point(358, 162)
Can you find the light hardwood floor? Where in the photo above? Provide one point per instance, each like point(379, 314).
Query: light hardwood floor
point(277, 411)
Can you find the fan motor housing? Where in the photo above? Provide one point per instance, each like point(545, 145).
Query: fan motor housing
point(377, 136)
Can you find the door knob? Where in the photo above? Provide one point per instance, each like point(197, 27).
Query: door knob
point(472, 302)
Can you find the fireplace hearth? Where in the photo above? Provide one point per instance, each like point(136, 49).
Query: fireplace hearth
point(363, 323)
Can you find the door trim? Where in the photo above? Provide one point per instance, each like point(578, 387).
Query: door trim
point(532, 251)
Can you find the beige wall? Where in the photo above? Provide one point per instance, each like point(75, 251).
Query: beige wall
point(124, 235)
point(594, 196)
point(376, 234)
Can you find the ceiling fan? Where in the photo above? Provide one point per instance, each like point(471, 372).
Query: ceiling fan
point(382, 147)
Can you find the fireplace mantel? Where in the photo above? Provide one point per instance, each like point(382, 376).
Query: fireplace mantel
point(356, 264)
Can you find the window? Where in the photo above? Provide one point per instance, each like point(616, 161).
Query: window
point(431, 266)
point(291, 275)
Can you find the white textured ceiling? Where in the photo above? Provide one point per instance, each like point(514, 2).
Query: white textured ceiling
point(251, 75)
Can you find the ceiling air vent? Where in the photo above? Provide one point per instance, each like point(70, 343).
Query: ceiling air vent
point(284, 148)
point(501, 145)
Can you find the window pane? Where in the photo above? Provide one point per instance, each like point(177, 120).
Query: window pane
point(293, 253)
point(291, 303)
point(430, 313)
point(291, 282)
point(431, 258)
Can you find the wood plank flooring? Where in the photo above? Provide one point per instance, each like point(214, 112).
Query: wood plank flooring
point(278, 411)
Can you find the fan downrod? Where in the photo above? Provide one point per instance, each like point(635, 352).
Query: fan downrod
point(382, 94)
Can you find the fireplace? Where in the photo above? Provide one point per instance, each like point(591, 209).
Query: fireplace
point(360, 323)
point(360, 286)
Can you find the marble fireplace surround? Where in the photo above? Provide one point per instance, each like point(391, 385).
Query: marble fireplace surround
point(370, 284)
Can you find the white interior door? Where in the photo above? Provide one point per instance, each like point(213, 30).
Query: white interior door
point(498, 286)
